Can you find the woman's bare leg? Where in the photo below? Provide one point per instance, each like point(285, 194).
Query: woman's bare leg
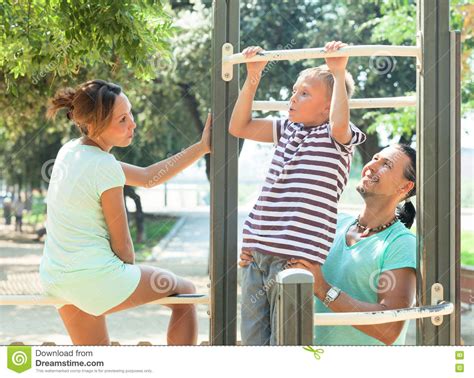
point(84, 328)
point(156, 283)
point(183, 327)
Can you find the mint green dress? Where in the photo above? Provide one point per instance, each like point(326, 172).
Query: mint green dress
point(78, 264)
point(356, 270)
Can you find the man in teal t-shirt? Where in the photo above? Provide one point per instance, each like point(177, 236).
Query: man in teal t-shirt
point(372, 263)
point(356, 269)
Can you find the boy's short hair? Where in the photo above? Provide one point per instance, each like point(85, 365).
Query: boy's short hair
point(323, 73)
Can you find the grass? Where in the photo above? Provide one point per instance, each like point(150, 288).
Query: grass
point(34, 219)
point(467, 248)
point(156, 227)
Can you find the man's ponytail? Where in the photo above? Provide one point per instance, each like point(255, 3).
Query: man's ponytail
point(406, 212)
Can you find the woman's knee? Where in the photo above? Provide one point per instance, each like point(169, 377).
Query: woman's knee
point(166, 282)
point(186, 287)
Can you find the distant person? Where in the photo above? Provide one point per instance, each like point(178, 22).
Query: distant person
point(7, 210)
point(28, 203)
point(89, 258)
point(19, 207)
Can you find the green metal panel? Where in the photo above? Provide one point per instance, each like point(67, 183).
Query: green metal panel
point(435, 219)
point(455, 94)
point(224, 181)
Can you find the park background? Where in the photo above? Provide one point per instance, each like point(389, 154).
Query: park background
point(160, 53)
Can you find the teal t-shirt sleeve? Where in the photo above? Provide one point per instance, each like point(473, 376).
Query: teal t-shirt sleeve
point(400, 253)
point(109, 174)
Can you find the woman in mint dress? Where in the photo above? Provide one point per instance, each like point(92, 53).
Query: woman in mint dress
point(88, 257)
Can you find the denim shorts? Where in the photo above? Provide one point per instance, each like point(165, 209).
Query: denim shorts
point(259, 297)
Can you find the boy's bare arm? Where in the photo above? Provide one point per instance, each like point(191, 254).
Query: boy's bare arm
point(339, 111)
point(242, 125)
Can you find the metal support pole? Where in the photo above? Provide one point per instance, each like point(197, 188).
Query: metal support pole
point(295, 307)
point(224, 163)
point(455, 192)
point(437, 172)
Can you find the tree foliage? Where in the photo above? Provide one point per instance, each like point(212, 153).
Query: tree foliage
point(62, 36)
point(47, 44)
point(398, 27)
point(160, 53)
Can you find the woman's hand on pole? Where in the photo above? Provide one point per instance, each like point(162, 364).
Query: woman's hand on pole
point(206, 135)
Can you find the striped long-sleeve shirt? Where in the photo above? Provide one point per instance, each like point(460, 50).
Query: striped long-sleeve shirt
point(296, 212)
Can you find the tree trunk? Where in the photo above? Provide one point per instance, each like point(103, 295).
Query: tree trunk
point(139, 215)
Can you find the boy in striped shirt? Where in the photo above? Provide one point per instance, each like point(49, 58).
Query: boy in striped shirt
point(295, 214)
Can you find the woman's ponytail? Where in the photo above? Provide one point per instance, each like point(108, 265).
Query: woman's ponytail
point(62, 99)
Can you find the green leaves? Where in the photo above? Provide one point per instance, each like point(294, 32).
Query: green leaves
point(48, 44)
point(398, 25)
point(58, 37)
point(396, 124)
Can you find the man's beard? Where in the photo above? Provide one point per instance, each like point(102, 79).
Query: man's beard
point(363, 191)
